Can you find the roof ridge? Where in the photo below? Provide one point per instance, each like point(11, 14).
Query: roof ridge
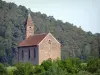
point(40, 34)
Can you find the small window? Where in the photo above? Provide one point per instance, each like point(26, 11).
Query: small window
point(49, 41)
point(29, 54)
point(30, 27)
point(22, 54)
point(34, 53)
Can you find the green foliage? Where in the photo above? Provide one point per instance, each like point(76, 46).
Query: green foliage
point(46, 64)
point(55, 70)
point(39, 69)
point(70, 66)
point(84, 73)
point(93, 65)
point(73, 65)
point(97, 72)
point(23, 69)
point(83, 66)
point(10, 70)
point(3, 70)
point(60, 64)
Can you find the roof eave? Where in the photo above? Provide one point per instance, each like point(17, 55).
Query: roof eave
point(27, 46)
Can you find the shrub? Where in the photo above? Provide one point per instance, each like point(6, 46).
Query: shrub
point(83, 66)
point(10, 70)
point(93, 65)
point(60, 63)
point(84, 73)
point(38, 69)
point(3, 70)
point(55, 70)
point(23, 69)
point(72, 65)
point(97, 72)
point(46, 64)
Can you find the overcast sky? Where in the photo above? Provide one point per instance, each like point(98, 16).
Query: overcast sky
point(84, 13)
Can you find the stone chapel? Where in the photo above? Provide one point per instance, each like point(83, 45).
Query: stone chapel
point(37, 47)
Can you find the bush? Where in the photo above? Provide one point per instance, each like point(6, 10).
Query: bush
point(38, 69)
point(55, 70)
point(46, 64)
point(23, 69)
point(73, 65)
point(84, 73)
point(60, 63)
point(83, 66)
point(97, 72)
point(3, 70)
point(93, 65)
point(10, 70)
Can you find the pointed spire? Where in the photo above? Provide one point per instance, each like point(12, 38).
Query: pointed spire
point(29, 25)
point(29, 12)
point(29, 19)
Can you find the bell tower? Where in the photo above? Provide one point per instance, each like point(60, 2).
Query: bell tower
point(29, 26)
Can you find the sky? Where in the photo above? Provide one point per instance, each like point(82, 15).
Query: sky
point(84, 13)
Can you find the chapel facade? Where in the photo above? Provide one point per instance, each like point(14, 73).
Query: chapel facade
point(37, 47)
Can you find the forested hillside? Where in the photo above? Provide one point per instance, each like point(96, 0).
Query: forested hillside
point(74, 41)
